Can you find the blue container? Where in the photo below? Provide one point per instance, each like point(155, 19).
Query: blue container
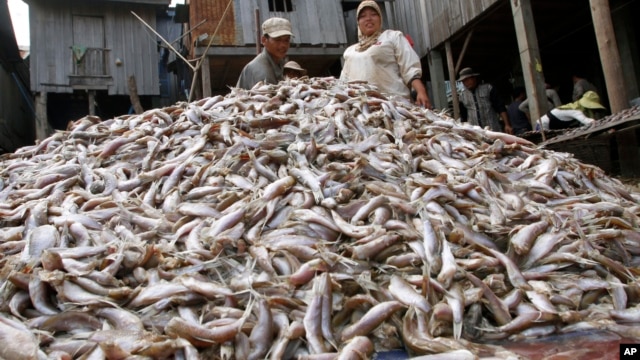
point(391, 355)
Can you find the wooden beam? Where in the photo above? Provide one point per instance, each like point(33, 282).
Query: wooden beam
point(91, 98)
point(194, 92)
point(133, 95)
point(205, 74)
point(438, 89)
point(336, 51)
point(609, 55)
point(530, 58)
point(453, 71)
point(43, 129)
point(258, 34)
point(452, 80)
point(463, 51)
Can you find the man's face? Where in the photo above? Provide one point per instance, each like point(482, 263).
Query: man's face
point(277, 47)
point(470, 82)
point(291, 74)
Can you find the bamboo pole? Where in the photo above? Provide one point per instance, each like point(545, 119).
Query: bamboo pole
point(190, 31)
point(463, 51)
point(165, 41)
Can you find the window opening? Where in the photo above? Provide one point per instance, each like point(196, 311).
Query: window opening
point(280, 5)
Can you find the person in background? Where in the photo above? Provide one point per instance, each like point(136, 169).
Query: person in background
point(519, 120)
point(581, 112)
point(384, 58)
point(293, 70)
point(268, 66)
point(552, 95)
point(481, 104)
point(553, 99)
point(581, 86)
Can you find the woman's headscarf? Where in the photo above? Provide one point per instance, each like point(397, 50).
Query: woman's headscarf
point(365, 42)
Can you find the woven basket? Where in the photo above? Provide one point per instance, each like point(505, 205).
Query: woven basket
point(595, 151)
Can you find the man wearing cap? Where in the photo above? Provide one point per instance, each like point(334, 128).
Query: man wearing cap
point(293, 70)
point(268, 66)
point(581, 112)
point(481, 104)
point(383, 58)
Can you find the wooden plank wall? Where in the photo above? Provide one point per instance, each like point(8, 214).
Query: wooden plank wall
point(446, 17)
point(126, 38)
point(409, 19)
point(170, 30)
point(314, 22)
point(245, 21)
point(50, 59)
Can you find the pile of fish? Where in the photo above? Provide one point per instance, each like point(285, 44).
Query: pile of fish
point(312, 219)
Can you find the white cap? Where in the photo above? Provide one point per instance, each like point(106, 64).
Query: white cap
point(276, 27)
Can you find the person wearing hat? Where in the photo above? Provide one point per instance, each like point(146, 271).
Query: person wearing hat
point(481, 104)
point(293, 70)
point(580, 85)
point(581, 112)
point(383, 58)
point(268, 66)
point(553, 99)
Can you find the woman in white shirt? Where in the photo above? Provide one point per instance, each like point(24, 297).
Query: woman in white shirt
point(383, 58)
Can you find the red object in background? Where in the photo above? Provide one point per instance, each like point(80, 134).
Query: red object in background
point(583, 345)
point(409, 39)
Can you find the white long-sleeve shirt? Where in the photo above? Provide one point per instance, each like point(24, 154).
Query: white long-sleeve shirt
point(390, 64)
point(566, 115)
point(553, 100)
